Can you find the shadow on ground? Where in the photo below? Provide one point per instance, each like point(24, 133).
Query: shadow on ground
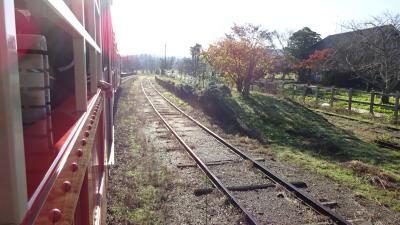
point(287, 123)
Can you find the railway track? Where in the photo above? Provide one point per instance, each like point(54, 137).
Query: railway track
point(229, 167)
point(125, 79)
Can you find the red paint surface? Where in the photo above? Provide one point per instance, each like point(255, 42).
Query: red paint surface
point(41, 147)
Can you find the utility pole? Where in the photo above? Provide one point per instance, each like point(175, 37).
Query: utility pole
point(165, 57)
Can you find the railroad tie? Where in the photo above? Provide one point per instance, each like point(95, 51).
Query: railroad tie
point(204, 191)
point(355, 221)
point(215, 163)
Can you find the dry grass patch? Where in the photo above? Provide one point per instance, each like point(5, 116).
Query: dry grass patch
point(374, 175)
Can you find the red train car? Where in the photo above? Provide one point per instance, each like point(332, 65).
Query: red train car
point(59, 70)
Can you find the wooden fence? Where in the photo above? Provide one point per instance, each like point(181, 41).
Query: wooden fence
point(331, 95)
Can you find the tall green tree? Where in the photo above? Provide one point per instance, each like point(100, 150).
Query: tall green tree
point(301, 41)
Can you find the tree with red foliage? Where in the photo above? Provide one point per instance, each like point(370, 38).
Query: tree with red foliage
point(318, 61)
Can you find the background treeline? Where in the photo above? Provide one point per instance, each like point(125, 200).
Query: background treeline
point(366, 56)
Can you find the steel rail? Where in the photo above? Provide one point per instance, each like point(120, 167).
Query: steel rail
point(125, 79)
point(271, 175)
point(203, 166)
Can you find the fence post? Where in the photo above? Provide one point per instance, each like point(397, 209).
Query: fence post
point(396, 108)
point(350, 98)
point(280, 90)
point(316, 95)
point(304, 93)
point(372, 102)
point(293, 91)
point(332, 96)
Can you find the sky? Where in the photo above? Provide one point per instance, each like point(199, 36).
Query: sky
point(145, 26)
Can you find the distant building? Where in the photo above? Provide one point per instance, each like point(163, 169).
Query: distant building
point(362, 47)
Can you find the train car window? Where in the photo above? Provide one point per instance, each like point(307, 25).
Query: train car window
point(88, 72)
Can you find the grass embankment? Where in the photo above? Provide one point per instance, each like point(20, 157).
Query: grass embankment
point(300, 136)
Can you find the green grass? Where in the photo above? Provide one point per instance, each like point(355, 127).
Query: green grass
point(140, 202)
point(170, 78)
point(347, 177)
point(179, 102)
point(341, 108)
point(291, 76)
point(288, 124)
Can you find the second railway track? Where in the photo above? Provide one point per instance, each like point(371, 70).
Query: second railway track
point(229, 168)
